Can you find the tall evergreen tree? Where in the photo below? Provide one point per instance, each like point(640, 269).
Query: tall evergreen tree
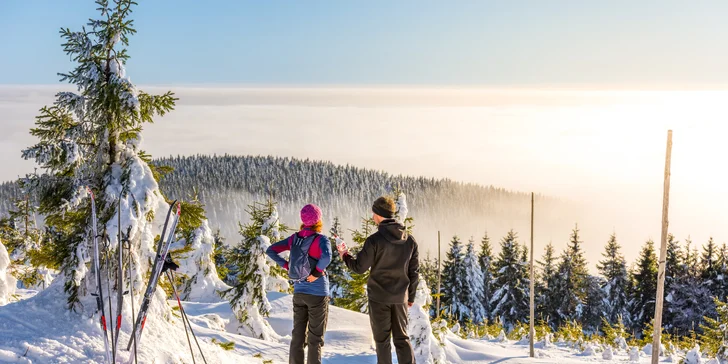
point(510, 302)
point(674, 264)
point(92, 138)
point(644, 287)
point(547, 300)
point(721, 281)
point(692, 259)
point(687, 301)
point(486, 259)
point(338, 276)
point(572, 281)
point(675, 270)
point(429, 272)
point(474, 283)
point(454, 286)
point(614, 270)
point(595, 305)
point(709, 266)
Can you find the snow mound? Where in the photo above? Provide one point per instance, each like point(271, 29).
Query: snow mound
point(648, 349)
point(41, 330)
point(634, 355)
point(608, 353)
point(694, 356)
point(589, 350)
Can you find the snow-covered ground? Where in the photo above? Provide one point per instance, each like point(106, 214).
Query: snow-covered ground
point(37, 330)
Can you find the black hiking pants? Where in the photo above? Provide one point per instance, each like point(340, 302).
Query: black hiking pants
point(389, 321)
point(310, 314)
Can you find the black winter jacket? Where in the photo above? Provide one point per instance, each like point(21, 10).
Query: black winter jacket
point(393, 258)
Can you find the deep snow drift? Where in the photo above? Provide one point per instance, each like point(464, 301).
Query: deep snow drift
point(35, 330)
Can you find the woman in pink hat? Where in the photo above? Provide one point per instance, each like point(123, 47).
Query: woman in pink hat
point(310, 254)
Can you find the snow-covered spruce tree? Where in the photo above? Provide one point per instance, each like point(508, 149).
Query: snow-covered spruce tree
point(709, 266)
point(354, 295)
point(474, 283)
point(195, 254)
point(547, 302)
point(248, 295)
point(644, 287)
point(400, 201)
point(572, 283)
point(675, 266)
point(721, 280)
point(22, 235)
point(690, 304)
point(7, 281)
point(594, 307)
point(92, 138)
point(486, 260)
point(510, 301)
point(429, 272)
point(335, 271)
point(221, 258)
point(616, 285)
point(426, 346)
point(272, 230)
point(453, 282)
point(29, 255)
point(692, 259)
point(675, 270)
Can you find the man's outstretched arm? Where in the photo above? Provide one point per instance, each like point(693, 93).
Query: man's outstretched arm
point(364, 259)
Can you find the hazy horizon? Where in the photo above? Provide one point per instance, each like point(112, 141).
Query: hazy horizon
point(604, 149)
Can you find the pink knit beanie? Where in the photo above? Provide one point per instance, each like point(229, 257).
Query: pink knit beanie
point(310, 215)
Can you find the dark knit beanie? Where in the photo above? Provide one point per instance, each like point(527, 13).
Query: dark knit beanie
point(384, 207)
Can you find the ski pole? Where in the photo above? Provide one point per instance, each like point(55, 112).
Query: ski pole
point(131, 287)
point(107, 261)
point(182, 314)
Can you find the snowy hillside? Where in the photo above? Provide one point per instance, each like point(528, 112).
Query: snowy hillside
point(36, 331)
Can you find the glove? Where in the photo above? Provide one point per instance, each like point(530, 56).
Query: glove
point(169, 264)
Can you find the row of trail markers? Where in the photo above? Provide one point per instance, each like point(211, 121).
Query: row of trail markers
point(660, 277)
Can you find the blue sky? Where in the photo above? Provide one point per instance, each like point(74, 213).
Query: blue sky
point(625, 44)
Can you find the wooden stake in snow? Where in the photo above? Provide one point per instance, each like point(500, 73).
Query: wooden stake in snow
point(532, 278)
point(438, 274)
point(663, 253)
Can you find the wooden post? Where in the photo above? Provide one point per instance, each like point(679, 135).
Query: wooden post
point(532, 294)
point(663, 254)
point(439, 276)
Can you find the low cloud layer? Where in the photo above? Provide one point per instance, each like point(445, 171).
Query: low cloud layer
point(602, 148)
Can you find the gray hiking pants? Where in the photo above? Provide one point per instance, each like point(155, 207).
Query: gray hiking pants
point(389, 321)
point(310, 314)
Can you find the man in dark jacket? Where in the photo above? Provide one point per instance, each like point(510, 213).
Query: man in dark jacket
point(393, 258)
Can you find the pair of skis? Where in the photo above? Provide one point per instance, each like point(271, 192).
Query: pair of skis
point(110, 354)
point(157, 269)
point(162, 250)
